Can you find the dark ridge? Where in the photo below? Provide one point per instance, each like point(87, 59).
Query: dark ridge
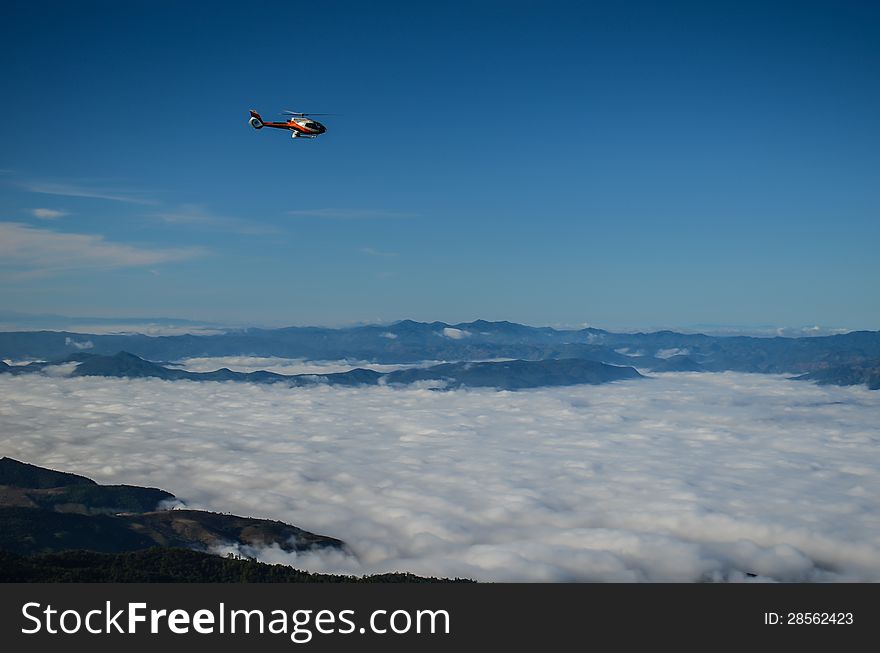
point(517, 374)
point(65, 534)
point(18, 474)
point(86, 499)
point(161, 565)
point(118, 518)
point(126, 365)
point(857, 373)
point(27, 531)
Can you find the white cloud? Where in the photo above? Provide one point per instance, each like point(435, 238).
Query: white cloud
point(683, 477)
point(70, 342)
point(47, 214)
point(43, 251)
point(61, 370)
point(350, 214)
point(389, 335)
point(669, 353)
point(199, 216)
point(184, 217)
point(455, 334)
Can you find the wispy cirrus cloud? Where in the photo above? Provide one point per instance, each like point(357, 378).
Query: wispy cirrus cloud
point(29, 252)
point(351, 214)
point(48, 214)
point(65, 189)
point(195, 215)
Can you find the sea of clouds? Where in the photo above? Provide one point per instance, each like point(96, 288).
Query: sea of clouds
point(681, 477)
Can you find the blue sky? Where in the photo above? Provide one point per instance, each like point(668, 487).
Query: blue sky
point(614, 163)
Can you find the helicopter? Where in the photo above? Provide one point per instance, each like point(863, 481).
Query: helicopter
point(299, 124)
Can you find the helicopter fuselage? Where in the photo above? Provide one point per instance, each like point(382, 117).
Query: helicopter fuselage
point(298, 127)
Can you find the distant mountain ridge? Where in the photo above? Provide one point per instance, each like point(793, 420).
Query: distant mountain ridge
point(504, 375)
point(855, 373)
point(19, 474)
point(408, 341)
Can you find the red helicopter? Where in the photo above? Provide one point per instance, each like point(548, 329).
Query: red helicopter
point(300, 125)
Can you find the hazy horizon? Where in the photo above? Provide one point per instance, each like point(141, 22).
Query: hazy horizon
point(166, 325)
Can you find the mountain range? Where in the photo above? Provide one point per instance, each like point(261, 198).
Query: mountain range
point(503, 375)
point(413, 342)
